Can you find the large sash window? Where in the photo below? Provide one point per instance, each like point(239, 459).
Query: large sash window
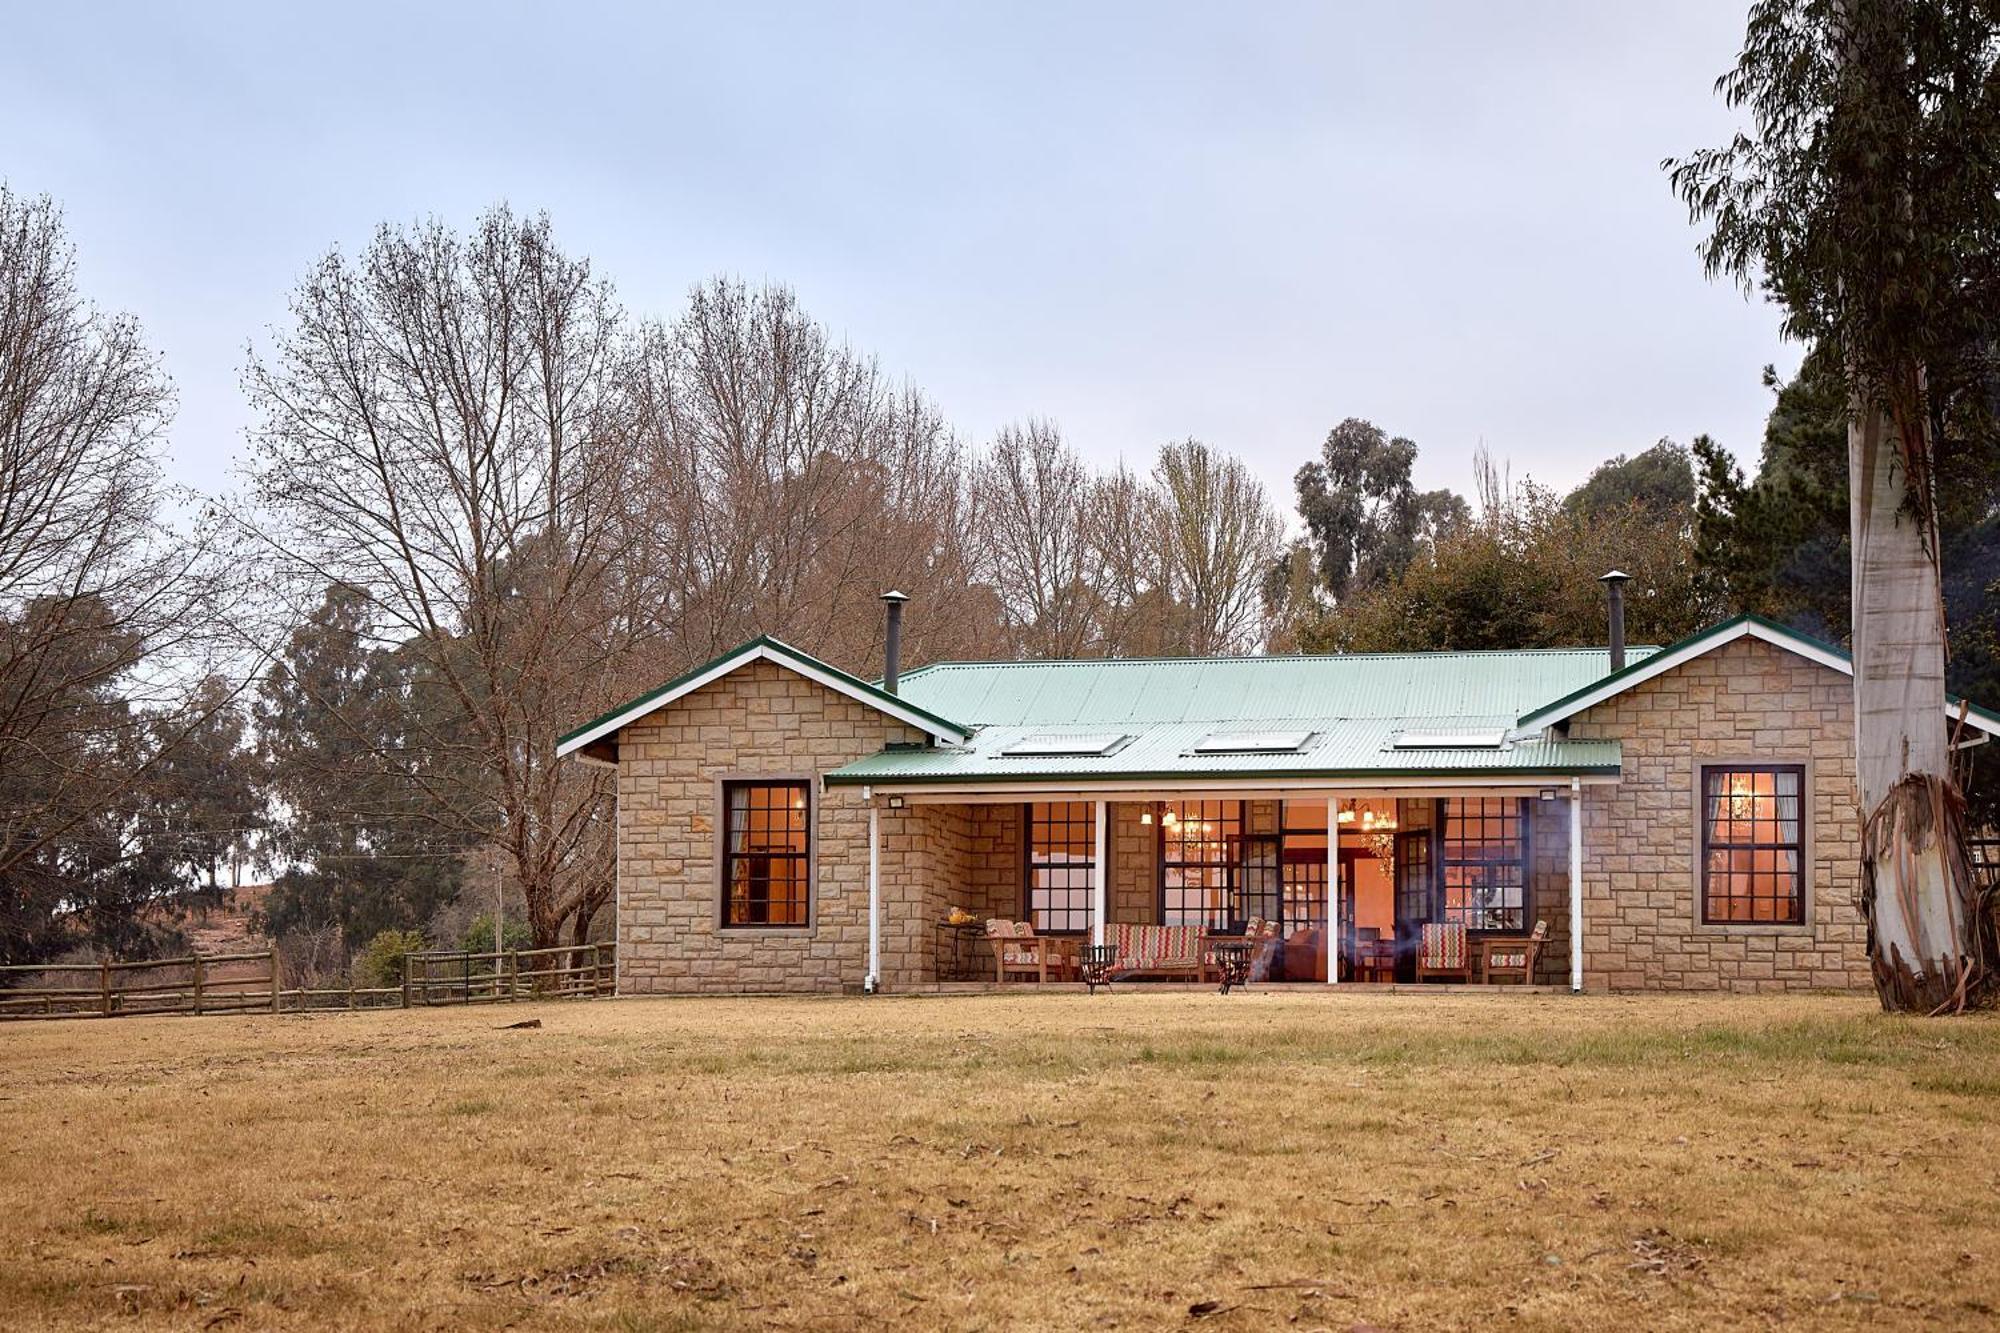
point(766, 853)
point(1753, 844)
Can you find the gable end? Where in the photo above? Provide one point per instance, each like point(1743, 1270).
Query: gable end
point(761, 650)
point(1707, 641)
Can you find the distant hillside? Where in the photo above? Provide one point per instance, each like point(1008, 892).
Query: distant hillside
point(227, 929)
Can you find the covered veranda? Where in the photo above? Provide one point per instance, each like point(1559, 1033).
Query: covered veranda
point(1342, 878)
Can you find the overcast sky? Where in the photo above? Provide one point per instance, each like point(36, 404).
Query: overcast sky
point(1147, 221)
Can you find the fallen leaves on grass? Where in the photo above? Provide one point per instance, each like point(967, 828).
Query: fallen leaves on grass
point(1663, 1255)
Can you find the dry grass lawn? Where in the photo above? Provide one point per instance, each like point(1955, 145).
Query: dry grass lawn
point(1133, 1160)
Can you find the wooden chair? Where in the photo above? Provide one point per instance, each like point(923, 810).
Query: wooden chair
point(1021, 952)
point(1262, 936)
point(1442, 952)
point(1513, 957)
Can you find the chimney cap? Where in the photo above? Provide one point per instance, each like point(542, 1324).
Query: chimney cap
point(893, 596)
point(1615, 576)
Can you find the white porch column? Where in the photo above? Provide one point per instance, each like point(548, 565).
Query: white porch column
point(1098, 896)
point(1332, 890)
point(873, 981)
point(1576, 884)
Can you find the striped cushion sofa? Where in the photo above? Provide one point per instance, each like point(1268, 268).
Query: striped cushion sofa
point(1156, 950)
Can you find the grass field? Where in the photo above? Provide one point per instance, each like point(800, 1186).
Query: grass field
point(1131, 1160)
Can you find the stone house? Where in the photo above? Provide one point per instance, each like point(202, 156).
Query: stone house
point(1680, 818)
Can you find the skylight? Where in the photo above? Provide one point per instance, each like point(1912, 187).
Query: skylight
point(1251, 742)
point(1073, 747)
point(1452, 740)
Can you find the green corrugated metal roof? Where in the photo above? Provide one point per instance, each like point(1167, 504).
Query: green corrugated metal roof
point(1459, 686)
point(1353, 706)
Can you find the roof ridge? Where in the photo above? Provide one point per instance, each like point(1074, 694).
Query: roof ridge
point(1266, 657)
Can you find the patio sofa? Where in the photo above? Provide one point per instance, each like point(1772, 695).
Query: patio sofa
point(1163, 951)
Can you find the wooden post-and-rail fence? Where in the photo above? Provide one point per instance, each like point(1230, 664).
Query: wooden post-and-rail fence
point(239, 983)
point(566, 972)
point(197, 984)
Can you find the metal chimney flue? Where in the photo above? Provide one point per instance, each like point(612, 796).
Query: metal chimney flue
point(1614, 586)
point(892, 647)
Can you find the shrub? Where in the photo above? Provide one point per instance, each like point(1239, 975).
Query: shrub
point(478, 937)
point(380, 962)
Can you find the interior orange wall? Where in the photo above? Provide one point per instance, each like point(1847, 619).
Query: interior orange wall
point(1374, 896)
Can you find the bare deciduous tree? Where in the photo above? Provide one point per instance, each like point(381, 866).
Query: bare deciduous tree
point(440, 429)
point(1219, 535)
point(1110, 564)
point(1041, 525)
point(109, 619)
point(787, 482)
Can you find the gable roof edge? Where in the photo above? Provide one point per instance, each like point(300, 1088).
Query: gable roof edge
point(1708, 640)
point(763, 648)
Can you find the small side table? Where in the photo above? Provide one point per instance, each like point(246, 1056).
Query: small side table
point(1232, 960)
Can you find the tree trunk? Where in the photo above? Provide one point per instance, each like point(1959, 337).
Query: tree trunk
point(1917, 893)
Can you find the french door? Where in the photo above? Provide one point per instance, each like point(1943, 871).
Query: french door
point(1416, 897)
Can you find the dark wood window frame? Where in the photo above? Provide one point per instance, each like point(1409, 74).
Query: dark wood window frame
point(1706, 843)
point(1231, 863)
point(1071, 911)
point(1315, 904)
point(797, 913)
point(1444, 861)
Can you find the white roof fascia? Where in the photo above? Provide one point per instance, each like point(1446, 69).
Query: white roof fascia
point(762, 652)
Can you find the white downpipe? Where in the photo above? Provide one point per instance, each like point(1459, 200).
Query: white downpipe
point(1332, 890)
point(1575, 885)
point(1098, 896)
point(873, 981)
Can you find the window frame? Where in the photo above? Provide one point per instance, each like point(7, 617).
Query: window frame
point(1231, 865)
point(1317, 868)
point(724, 858)
point(1703, 844)
point(1442, 862)
point(1029, 866)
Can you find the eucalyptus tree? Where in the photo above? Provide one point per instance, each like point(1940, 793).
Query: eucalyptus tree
point(1865, 200)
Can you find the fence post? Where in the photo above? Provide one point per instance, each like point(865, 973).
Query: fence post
point(513, 975)
point(277, 984)
point(197, 983)
point(104, 983)
point(406, 981)
point(350, 988)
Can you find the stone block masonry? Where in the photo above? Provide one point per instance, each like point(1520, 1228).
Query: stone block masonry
point(1747, 701)
point(765, 721)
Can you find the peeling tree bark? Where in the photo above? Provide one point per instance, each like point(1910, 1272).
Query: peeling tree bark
point(1926, 930)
